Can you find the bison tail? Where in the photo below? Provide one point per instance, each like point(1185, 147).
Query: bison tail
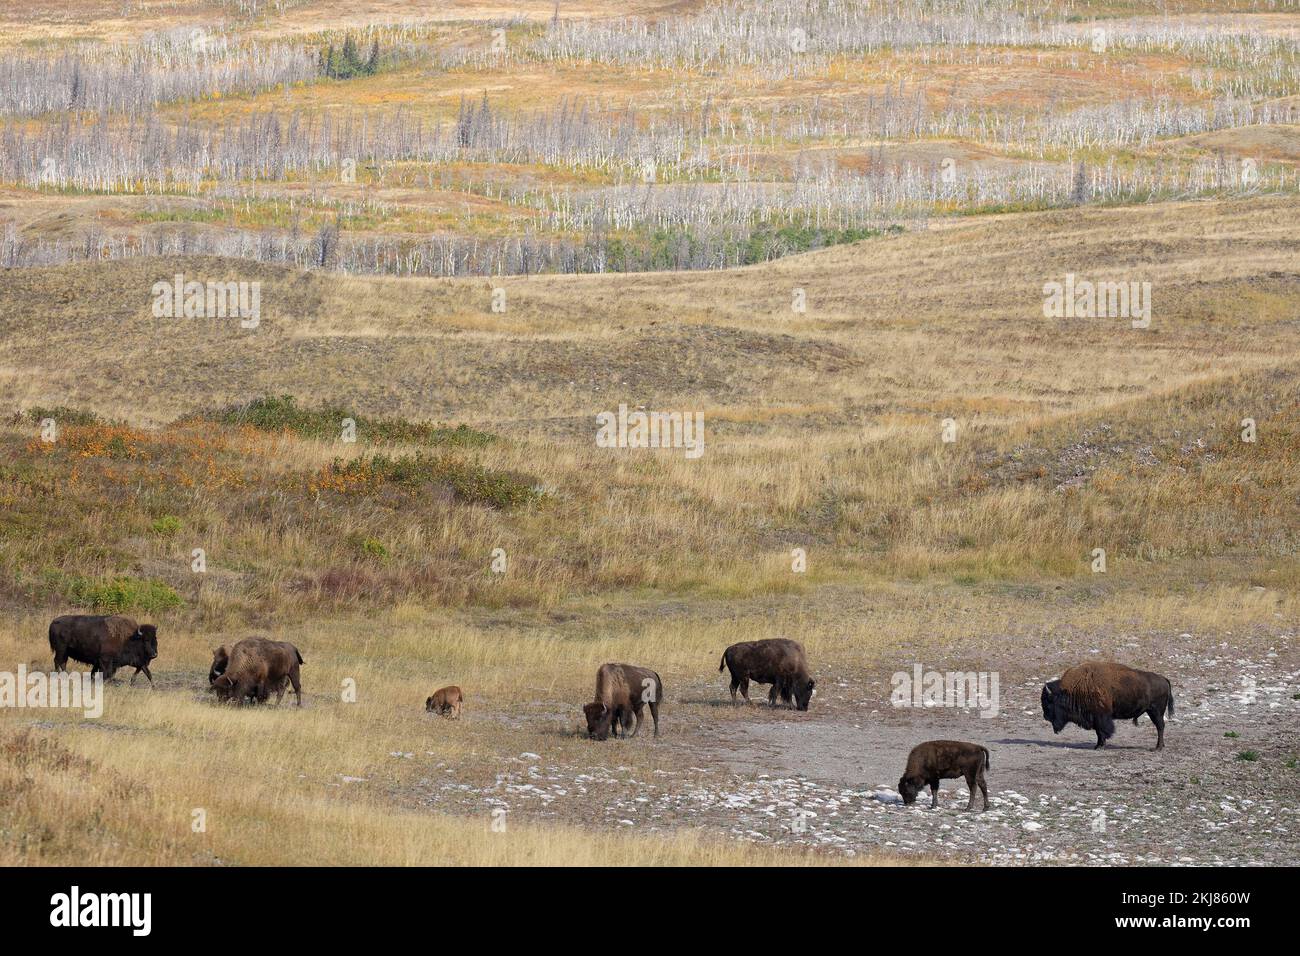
point(1171, 701)
point(987, 764)
point(299, 653)
point(722, 663)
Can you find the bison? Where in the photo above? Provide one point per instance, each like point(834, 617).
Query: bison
point(445, 700)
point(622, 691)
point(220, 661)
point(105, 642)
point(936, 760)
point(778, 662)
point(253, 668)
point(1096, 694)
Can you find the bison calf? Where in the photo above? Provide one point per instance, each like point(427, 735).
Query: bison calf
point(254, 667)
point(105, 642)
point(445, 700)
point(936, 760)
point(778, 662)
point(622, 691)
point(1096, 694)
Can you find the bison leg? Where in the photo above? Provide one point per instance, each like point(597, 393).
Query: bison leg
point(934, 794)
point(744, 690)
point(654, 713)
point(771, 695)
point(1158, 719)
point(984, 788)
point(1105, 730)
point(971, 785)
point(636, 714)
point(146, 674)
point(61, 661)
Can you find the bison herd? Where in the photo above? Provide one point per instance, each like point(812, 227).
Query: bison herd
point(1092, 696)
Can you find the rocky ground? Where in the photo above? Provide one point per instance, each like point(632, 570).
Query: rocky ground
point(1226, 790)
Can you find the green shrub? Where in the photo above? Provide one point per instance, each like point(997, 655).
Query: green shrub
point(62, 415)
point(468, 481)
point(275, 413)
point(119, 594)
point(166, 525)
point(349, 62)
point(372, 547)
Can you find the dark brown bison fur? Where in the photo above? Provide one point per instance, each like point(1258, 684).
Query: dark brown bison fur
point(622, 691)
point(777, 661)
point(253, 668)
point(445, 700)
point(1096, 694)
point(936, 760)
point(220, 661)
point(105, 642)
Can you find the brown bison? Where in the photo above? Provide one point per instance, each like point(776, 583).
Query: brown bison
point(105, 642)
point(445, 700)
point(254, 667)
point(220, 661)
point(778, 662)
point(936, 760)
point(1096, 694)
point(622, 691)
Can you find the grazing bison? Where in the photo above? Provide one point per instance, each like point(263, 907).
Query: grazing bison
point(446, 700)
point(220, 661)
point(105, 642)
point(622, 691)
point(1096, 694)
point(778, 662)
point(936, 760)
point(253, 668)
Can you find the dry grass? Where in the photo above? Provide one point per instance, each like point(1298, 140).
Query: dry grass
point(53, 803)
point(822, 430)
point(822, 433)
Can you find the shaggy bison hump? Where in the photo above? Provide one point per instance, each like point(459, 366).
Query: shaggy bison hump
point(253, 668)
point(1096, 694)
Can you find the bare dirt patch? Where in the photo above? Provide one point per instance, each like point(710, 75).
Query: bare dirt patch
point(1225, 791)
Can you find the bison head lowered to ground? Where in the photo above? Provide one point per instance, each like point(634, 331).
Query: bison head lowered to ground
point(445, 701)
point(936, 760)
point(105, 642)
point(1095, 695)
point(778, 662)
point(254, 667)
point(622, 691)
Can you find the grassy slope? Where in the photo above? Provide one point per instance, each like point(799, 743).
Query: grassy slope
point(822, 432)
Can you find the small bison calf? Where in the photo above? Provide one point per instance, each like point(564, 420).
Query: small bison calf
point(445, 700)
point(936, 760)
